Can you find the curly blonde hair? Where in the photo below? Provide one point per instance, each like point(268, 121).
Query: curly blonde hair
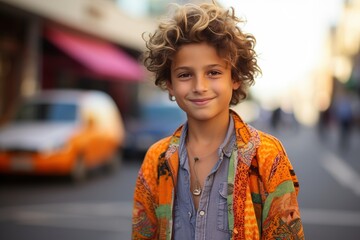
point(203, 23)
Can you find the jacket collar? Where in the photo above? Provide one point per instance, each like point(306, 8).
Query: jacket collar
point(247, 139)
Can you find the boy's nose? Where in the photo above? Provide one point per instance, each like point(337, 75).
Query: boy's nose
point(200, 84)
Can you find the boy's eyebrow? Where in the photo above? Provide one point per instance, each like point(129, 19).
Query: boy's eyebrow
point(182, 68)
point(216, 65)
point(207, 66)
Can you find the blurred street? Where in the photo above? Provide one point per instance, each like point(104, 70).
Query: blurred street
point(310, 61)
point(38, 208)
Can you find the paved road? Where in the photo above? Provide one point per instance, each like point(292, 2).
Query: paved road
point(43, 208)
point(48, 208)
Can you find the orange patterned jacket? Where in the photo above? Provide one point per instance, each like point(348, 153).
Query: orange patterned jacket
point(262, 196)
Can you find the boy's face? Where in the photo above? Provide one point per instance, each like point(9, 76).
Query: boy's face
point(201, 81)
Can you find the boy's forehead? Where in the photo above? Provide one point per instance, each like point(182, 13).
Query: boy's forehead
point(197, 58)
point(195, 48)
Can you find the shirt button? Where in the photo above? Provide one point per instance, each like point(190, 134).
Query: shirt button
point(202, 213)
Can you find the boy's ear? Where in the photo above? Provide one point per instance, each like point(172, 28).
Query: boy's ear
point(236, 85)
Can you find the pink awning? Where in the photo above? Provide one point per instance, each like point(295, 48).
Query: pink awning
point(98, 56)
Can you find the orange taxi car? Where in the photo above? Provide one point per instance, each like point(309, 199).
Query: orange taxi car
point(62, 132)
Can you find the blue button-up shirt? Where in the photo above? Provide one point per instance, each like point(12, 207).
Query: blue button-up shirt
point(210, 221)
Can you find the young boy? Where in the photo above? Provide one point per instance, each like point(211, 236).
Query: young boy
point(216, 177)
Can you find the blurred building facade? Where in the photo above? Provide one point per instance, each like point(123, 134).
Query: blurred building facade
point(345, 61)
point(86, 44)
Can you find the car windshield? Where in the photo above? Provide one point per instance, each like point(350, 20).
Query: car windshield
point(50, 112)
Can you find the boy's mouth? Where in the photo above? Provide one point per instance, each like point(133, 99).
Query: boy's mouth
point(201, 101)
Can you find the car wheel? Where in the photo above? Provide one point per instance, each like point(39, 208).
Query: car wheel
point(79, 171)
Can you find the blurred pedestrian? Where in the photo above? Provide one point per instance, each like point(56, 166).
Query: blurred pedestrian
point(324, 123)
point(276, 118)
point(216, 177)
point(344, 117)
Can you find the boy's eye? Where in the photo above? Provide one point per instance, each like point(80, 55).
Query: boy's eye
point(214, 73)
point(184, 75)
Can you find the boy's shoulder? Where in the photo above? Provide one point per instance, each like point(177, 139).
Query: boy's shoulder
point(270, 141)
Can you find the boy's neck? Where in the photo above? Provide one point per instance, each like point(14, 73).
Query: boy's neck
point(207, 132)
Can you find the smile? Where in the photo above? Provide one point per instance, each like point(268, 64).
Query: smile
point(201, 102)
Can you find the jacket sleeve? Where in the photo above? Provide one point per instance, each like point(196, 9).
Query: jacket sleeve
point(281, 214)
point(144, 221)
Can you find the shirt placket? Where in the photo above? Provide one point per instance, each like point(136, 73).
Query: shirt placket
point(201, 216)
point(186, 174)
point(202, 213)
